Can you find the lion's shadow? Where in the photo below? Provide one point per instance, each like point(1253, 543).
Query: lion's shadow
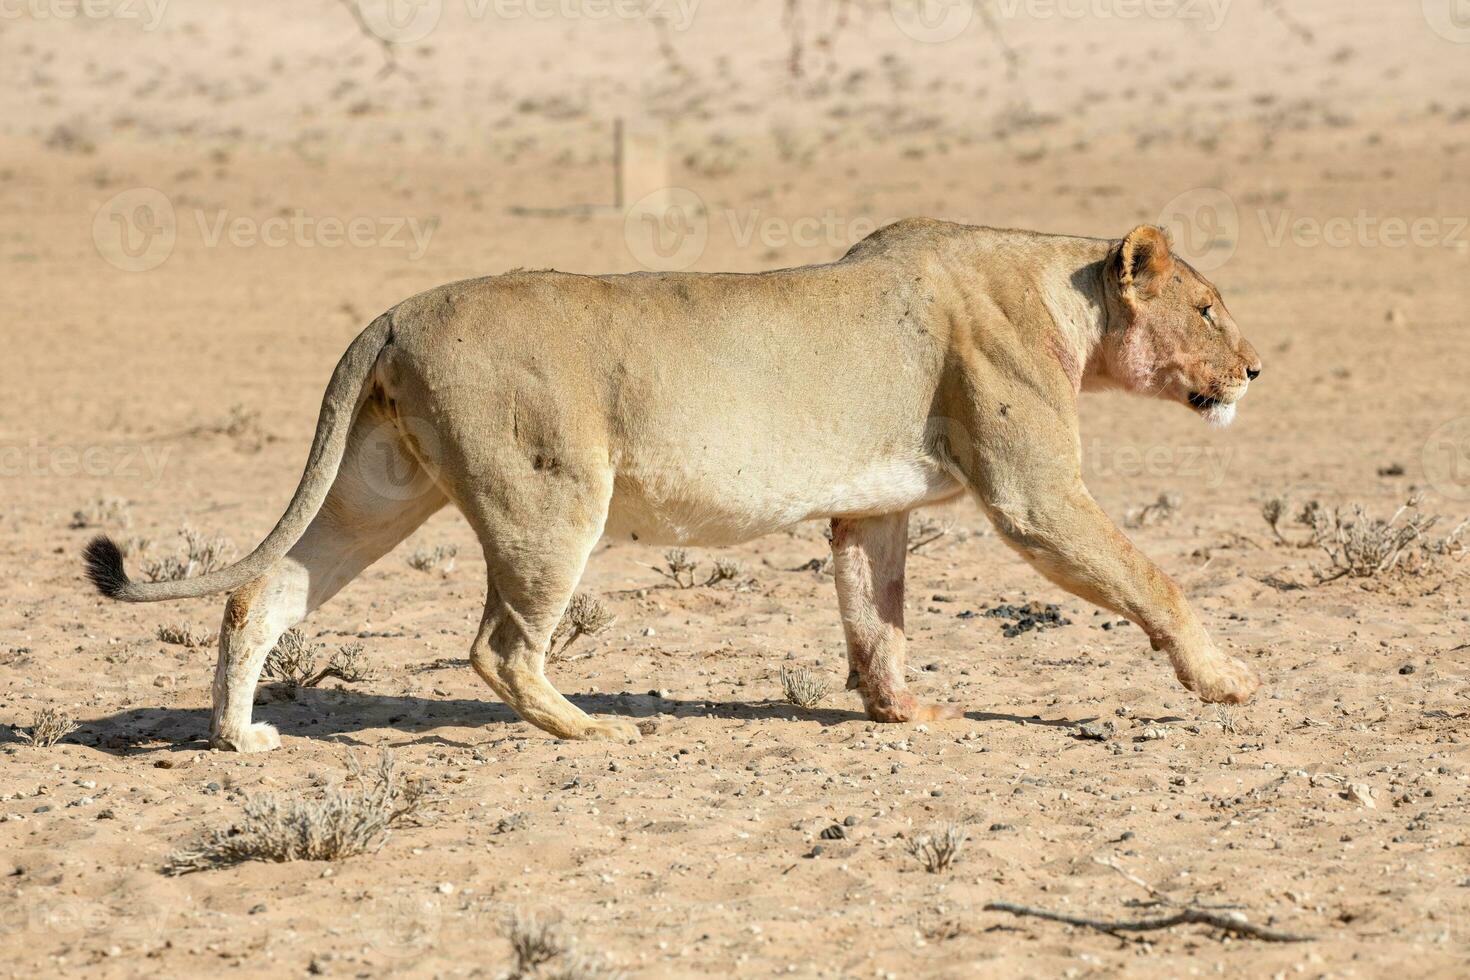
point(341, 714)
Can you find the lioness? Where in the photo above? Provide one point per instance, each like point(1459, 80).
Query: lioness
point(552, 409)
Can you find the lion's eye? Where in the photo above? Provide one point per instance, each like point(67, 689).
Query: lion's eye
point(1208, 312)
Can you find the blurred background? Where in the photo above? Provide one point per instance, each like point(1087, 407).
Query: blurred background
point(180, 177)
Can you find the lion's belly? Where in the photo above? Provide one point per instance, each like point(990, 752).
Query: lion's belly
point(673, 502)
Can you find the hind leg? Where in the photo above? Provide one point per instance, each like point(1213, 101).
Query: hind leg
point(380, 496)
point(538, 532)
point(868, 557)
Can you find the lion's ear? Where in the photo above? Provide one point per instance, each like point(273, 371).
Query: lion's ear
point(1144, 262)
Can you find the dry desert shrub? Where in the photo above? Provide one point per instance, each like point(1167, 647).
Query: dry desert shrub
point(681, 569)
point(104, 512)
point(938, 849)
point(51, 726)
point(242, 426)
point(802, 687)
point(341, 824)
point(725, 570)
point(678, 568)
point(577, 965)
point(1358, 545)
point(544, 951)
point(201, 556)
point(1160, 511)
point(184, 635)
point(585, 616)
point(293, 662)
point(135, 546)
point(534, 941)
point(1233, 720)
point(347, 664)
point(439, 559)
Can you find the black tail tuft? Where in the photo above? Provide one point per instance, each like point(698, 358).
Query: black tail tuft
point(105, 566)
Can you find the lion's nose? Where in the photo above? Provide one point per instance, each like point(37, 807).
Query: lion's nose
point(1252, 373)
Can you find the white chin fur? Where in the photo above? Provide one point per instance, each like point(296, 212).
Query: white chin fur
point(1220, 415)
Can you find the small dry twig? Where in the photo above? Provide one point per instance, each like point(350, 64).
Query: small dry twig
point(1299, 30)
point(1231, 922)
point(390, 53)
point(992, 27)
point(925, 531)
point(1224, 918)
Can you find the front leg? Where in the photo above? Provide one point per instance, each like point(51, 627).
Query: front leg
point(868, 557)
point(1067, 537)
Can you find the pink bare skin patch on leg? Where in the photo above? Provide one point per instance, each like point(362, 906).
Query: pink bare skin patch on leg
point(868, 564)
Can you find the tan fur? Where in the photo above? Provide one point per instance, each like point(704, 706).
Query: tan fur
point(931, 360)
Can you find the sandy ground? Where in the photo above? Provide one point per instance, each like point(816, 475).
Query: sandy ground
point(1322, 152)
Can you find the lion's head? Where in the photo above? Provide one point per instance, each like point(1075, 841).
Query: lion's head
point(1169, 333)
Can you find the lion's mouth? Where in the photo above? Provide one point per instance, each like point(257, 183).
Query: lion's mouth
point(1218, 412)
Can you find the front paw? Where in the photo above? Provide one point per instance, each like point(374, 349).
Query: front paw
point(1231, 681)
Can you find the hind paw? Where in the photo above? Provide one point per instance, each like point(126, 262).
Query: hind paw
point(259, 737)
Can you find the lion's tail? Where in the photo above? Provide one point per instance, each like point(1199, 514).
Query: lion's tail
point(345, 394)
